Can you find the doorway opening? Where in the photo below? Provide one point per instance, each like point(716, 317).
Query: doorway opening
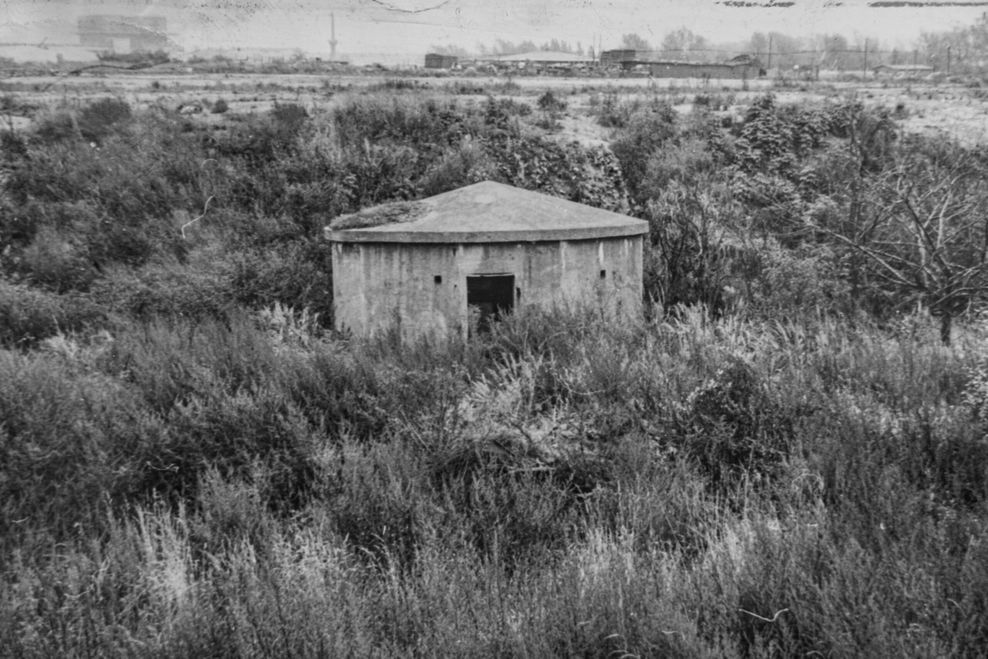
point(490, 297)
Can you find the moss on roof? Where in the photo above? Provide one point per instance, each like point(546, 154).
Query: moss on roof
point(393, 213)
point(482, 213)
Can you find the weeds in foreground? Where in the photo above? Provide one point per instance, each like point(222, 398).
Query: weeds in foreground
point(684, 487)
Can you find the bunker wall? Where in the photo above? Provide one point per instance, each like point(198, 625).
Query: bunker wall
point(420, 288)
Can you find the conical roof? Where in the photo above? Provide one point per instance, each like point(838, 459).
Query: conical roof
point(486, 212)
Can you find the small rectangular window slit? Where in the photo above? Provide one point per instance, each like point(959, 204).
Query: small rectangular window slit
point(603, 274)
point(438, 279)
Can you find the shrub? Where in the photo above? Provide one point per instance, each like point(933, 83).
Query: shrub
point(549, 102)
point(201, 288)
point(58, 261)
point(28, 315)
point(68, 445)
point(459, 166)
point(646, 131)
point(611, 113)
point(691, 245)
point(212, 383)
point(220, 106)
point(806, 280)
point(736, 430)
point(97, 119)
point(424, 123)
point(12, 145)
point(289, 117)
point(297, 275)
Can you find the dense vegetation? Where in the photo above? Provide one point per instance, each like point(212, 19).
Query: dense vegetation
point(785, 457)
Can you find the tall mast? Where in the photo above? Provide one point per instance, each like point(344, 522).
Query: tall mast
point(332, 36)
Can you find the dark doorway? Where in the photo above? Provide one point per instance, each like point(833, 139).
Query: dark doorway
point(492, 295)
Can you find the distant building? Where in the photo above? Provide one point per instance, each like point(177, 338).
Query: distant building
point(124, 34)
point(742, 67)
point(538, 61)
point(750, 60)
point(902, 70)
point(438, 61)
point(703, 70)
point(618, 57)
point(453, 262)
point(541, 57)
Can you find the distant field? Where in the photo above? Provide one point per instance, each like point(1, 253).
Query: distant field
point(928, 108)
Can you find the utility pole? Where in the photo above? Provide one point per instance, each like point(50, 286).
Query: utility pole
point(768, 64)
point(865, 68)
point(332, 37)
point(948, 59)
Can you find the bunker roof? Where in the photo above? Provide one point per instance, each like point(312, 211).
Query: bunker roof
point(486, 212)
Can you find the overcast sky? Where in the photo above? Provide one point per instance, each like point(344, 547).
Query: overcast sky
point(411, 26)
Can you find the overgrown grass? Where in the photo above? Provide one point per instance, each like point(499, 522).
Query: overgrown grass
point(568, 487)
point(192, 464)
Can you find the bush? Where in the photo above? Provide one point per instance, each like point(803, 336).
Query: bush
point(289, 117)
point(692, 249)
point(645, 133)
point(29, 315)
point(805, 280)
point(201, 288)
point(97, 119)
point(57, 261)
point(67, 446)
point(55, 127)
point(220, 106)
point(736, 430)
point(12, 145)
point(549, 102)
point(297, 275)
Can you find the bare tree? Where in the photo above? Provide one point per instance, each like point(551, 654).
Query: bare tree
point(922, 225)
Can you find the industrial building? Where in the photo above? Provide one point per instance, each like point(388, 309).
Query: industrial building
point(443, 265)
point(902, 70)
point(438, 61)
point(618, 57)
point(538, 61)
point(742, 67)
point(704, 70)
point(124, 34)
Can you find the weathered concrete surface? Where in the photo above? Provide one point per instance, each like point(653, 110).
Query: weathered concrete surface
point(420, 288)
point(482, 213)
point(405, 265)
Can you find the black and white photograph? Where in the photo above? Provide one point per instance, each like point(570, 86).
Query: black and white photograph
point(619, 329)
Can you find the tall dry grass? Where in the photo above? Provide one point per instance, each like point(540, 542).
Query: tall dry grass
point(681, 487)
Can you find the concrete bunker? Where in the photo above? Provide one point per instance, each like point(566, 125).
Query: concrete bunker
point(463, 258)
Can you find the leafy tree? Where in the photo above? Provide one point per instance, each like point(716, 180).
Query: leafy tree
point(451, 49)
point(835, 52)
point(689, 262)
point(634, 41)
point(785, 50)
point(758, 44)
point(962, 48)
point(682, 43)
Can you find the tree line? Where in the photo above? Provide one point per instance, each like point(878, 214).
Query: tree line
point(960, 50)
